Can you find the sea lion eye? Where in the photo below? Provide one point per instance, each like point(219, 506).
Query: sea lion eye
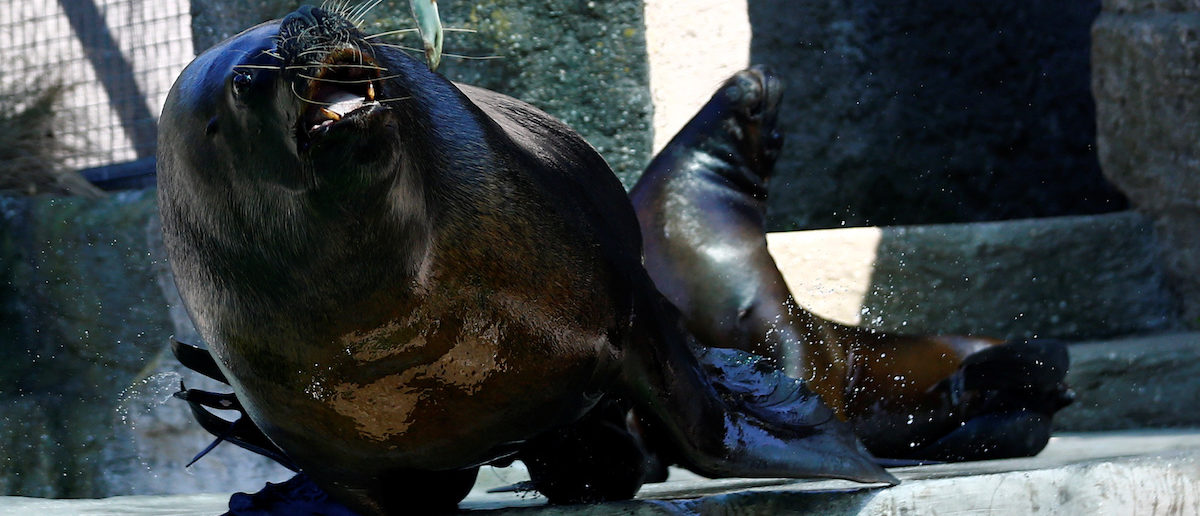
point(242, 82)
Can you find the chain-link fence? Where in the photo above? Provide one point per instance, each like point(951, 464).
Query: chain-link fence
point(117, 59)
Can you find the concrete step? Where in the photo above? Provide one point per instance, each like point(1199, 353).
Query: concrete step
point(1075, 277)
point(1115, 473)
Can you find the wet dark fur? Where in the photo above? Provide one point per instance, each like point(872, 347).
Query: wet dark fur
point(443, 280)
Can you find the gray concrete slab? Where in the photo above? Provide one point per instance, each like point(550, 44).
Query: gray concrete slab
point(1118, 473)
point(1092, 277)
point(1146, 381)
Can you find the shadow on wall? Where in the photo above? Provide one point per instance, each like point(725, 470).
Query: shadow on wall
point(927, 112)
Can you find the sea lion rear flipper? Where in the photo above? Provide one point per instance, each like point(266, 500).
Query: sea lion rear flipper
point(1017, 365)
point(733, 415)
point(1010, 393)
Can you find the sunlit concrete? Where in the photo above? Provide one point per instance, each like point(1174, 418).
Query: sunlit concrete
point(1118, 473)
point(692, 47)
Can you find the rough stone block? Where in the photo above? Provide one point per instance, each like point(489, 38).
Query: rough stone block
point(84, 365)
point(1068, 277)
point(1144, 6)
point(918, 112)
point(1146, 79)
point(1142, 382)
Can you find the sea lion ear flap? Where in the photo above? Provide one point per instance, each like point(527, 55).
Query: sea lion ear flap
point(730, 416)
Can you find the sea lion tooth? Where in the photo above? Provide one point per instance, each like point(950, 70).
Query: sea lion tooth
point(330, 114)
point(370, 91)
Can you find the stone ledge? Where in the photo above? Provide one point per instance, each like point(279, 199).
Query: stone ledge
point(1073, 277)
point(1138, 382)
point(1101, 473)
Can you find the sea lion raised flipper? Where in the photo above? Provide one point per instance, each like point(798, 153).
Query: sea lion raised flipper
point(701, 205)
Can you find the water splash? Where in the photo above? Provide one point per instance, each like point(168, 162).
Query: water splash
point(143, 396)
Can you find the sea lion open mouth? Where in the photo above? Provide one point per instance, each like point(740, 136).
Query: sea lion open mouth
point(342, 89)
point(336, 88)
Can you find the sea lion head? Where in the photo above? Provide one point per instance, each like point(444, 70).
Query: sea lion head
point(299, 105)
point(286, 150)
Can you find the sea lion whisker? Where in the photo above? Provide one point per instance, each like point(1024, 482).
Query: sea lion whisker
point(257, 67)
point(316, 50)
point(336, 65)
point(308, 100)
point(321, 103)
point(350, 10)
point(456, 56)
point(473, 58)
point(410, 31)
point(401, 47)
point(355, 81)
point(362, 13)
point(391, 33)
point(353, 13)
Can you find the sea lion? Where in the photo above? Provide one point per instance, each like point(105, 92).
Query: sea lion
point(404, 279)
point(701, 204)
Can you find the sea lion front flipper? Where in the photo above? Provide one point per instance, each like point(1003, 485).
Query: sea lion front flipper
point(742, 421)
point(197, 359)
point(242, 432)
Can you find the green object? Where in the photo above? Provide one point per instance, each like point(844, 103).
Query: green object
point(425, 12)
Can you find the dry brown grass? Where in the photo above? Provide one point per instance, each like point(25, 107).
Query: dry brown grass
point(31, 156)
